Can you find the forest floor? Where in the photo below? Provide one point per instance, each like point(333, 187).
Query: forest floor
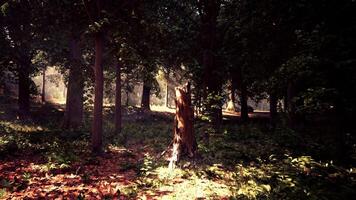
point(39, 160)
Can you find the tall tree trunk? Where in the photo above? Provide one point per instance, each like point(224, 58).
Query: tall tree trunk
point(145, 101)
point(273, 108)
point(231, 102)
point(244, 106)
point(24, 88)
point(127, 91)
point(43, 96)
point(97, 129)
point(73, 117)
point(212, 82)
point(127, 98)
point(285, 103)
point(167, 94)
point(183, 139)
point(242, 93)
point(118, 99)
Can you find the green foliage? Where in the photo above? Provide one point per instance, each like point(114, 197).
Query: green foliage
point(243, 162)
point(26, 176)
point(151, 132)
point(317, 100)
point(212, 103)
point(146, 165)
point(60, 159)
point(2, 192)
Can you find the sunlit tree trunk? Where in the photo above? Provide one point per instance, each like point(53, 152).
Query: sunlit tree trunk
point(166, 103)
point(167, 94)
point(184, 141)
point(73, 117)
point(118, 99)
point(97, 129)
point(43, 96)
point(231, 102)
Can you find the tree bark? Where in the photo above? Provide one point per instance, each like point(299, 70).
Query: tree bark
point(231, 102)
point(43, 96)
point(243, 94)
point(145, 101)
point(24, 88)
point(97, 129)
point(127, 98)
point(73, 117)
point(118, 99)
point(183, 139)
point(167, 94)
point(127, 91)
point(244, 106)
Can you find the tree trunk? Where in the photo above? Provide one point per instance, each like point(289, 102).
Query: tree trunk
point(43, 96)
point(285, 103)
point(127, 98)
point(127, 91)
point(145, 101)
point(118, 99)
point(239, 81)
point(244, 106)
point(183, 139)
point(231, 102)
point(24, 89)
point(97, 129)
point(212, 80)
point(273, 108)
point(167, 94)
point(73, 117)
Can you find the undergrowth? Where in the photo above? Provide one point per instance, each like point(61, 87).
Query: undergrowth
point(243, 162)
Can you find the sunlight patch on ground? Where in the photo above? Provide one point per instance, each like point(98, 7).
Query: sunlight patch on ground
point(19, 127)
point(162, 109)
point(195, 188)
point(185, 184)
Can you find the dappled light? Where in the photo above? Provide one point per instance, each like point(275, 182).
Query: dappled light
point(178, 99)
point(244, 163)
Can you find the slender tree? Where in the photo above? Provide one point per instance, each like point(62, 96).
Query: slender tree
point(94, 10)
point(212, 80)
point(43, 94)
point(146, 91)
point(118, 98)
